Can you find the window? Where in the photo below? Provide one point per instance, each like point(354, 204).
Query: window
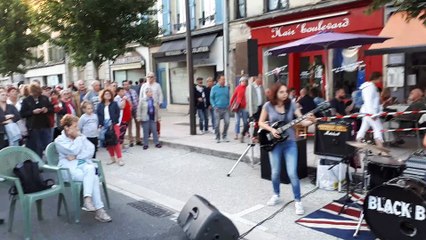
point(56, 54)
point(277, 4)
point(208, 9)
point(241, 9)
point(180, 24)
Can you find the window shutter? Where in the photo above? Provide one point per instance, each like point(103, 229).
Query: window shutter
point(219, 14)
point(166, 17)
point(192, 13)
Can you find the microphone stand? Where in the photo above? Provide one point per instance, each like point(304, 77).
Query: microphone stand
point(249, 147)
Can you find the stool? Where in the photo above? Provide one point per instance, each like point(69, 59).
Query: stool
point(301, 131)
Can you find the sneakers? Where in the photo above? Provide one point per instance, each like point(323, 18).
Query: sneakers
point(88, 205)
point(275, 199)
point(299, 208)
point(102, 216)
point(225, 139)
point(217, 140)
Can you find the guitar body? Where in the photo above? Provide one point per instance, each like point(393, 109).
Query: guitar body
point(267, 141)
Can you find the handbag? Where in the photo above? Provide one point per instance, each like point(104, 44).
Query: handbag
point(110, 137)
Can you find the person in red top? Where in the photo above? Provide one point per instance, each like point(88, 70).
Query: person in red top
point(125, 113)
point(238, 105)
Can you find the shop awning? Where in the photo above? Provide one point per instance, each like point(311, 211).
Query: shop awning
point(406, 36)
point(200, 44)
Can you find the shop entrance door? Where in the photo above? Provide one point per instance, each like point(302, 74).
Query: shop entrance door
point(312, 69)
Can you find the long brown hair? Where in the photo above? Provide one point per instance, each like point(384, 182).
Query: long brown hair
point(274, 90)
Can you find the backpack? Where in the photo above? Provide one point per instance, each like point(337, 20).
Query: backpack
point(30, 177)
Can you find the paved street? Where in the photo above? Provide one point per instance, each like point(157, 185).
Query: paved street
point(169, 176)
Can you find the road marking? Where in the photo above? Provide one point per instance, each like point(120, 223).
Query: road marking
point(250, 210)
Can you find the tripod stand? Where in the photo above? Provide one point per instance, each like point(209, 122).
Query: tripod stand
point(347, 198)
point(250, 146)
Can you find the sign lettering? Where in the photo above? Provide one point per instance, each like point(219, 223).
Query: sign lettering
point(397, 208)
point(284, 31)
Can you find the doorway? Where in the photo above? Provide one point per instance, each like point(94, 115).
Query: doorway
point(312, 70)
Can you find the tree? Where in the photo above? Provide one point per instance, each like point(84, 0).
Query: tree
point(99, 30)
point(18, 33)
point(414, 8)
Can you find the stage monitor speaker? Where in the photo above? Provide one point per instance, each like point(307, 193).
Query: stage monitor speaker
point(331, 138)
point(252, 56)
point(302, 166)
point(202, 221)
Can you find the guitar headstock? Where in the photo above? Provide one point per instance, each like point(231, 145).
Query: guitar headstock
point(322, 106)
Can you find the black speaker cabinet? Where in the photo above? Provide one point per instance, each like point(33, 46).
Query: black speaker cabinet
point(302, 165)
point(202, 221)
point(252, 56)
point(331, 138)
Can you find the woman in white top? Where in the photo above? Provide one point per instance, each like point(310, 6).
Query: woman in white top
point(75, 153)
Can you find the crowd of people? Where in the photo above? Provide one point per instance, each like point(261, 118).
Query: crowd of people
point(78, 121)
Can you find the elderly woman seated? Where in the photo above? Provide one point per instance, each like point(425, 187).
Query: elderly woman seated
point(75, 152)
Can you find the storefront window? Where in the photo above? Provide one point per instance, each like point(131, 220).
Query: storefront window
point(277, 4)
point(275, 68)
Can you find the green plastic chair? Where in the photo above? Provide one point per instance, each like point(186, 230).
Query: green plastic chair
point(9, 158)
point(75, 186)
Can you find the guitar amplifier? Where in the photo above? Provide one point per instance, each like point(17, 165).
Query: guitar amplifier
point(302, 165)
point(331, 138)
point(416, 166)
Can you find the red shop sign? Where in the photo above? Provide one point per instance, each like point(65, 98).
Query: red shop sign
point(353, 20)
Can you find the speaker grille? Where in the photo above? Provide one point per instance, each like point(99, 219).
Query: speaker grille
point(151, 209)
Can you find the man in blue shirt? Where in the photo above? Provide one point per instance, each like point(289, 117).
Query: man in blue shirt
point(219, 100)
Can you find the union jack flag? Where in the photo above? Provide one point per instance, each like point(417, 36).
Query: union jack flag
point(343, 225)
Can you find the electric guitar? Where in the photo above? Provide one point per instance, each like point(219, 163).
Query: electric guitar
point(268, 141)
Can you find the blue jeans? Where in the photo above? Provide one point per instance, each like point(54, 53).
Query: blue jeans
point(241, 114)
point(221, 113)
point(147, 127)
point(38, 139)
point(204, 119)
point(213, 117)
point(285, 151)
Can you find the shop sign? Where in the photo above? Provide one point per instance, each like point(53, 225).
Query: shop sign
point(303, 28)
point(355, 20)
point(126, 60)
point(183, 51)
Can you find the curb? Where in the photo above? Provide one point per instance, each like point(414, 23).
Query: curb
point(223, 154)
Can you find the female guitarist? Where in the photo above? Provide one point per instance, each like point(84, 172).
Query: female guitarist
point(281, 108)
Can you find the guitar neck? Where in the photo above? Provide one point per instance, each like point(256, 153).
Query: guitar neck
point(292, 123)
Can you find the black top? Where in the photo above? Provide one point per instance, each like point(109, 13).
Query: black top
point(207, 91)
point(36, 121)
point(10, 109)
point(203, 95)
point(307, 103)
point(339, 106)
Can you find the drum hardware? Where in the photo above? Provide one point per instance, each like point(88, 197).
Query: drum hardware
point(369, 147)
point(250, 146)
point(347, 198)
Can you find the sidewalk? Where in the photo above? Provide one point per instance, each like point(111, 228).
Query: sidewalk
point(175, 132)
